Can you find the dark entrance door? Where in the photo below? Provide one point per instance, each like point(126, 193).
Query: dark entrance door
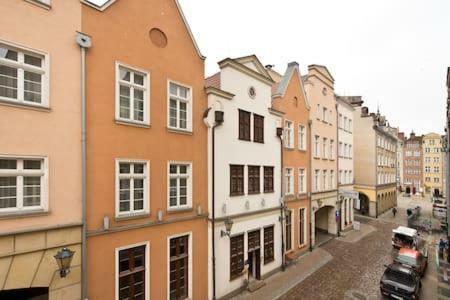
point(25, 294)
point(254, 254)
point(436, 192)
point(408, 190)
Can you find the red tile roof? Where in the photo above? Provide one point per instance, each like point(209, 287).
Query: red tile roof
point(213, 81)
point(275, 88)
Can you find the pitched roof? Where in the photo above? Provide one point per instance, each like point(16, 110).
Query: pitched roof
point(280, 88)
point(101, 5)
point(256, 62)
point(213, 81)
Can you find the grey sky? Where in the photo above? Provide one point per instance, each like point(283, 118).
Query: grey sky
point(392, 52)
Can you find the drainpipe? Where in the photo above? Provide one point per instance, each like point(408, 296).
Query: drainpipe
point(218, 118)
point(280, 136)
point(310, 184)
point(84, 42)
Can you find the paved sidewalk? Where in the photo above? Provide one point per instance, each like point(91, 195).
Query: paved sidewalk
point(281, 282)
point(354, 236)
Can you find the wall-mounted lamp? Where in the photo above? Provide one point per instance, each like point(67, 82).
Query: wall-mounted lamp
point(199, 210)
point(160, 215)
point(218, 116)
point(64, 258)
point(279, 132)
point(228, 225)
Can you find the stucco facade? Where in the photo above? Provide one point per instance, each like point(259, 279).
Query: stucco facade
point(400, 146)
point(40, 149)
point(319, 86)
point(247, 160)
point(433, 164)
point(147, 153)
point(288, 96)
point(413, 164)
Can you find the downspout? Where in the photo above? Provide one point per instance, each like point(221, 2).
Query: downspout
point(280, 137)
point(310, 184)
point(84, 42)
point(337, 173)
point(218, 118)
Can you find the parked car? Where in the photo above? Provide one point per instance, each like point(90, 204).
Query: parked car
point(413, 258)
point(400, 282)
point(405, 237)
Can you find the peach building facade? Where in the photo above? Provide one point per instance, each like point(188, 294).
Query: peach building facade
point(146, 149)
point(40, 149)
point(289, 97)
point(319, 85)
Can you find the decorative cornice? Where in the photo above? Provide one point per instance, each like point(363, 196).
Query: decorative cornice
point(218, 92)
point(228, 62)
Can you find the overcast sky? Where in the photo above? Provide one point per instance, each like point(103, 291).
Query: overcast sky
point(394, 53)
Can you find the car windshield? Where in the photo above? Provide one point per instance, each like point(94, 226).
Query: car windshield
point(403, 238)
point(408, 260)
point(401, 277)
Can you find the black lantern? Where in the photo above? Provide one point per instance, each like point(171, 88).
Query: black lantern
point(279, 132)
point(64, 258)
point(228, 225)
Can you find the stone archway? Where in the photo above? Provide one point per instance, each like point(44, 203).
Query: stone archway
point(325, 225)
point(364, 204)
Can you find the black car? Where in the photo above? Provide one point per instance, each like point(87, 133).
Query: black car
point(400, 282)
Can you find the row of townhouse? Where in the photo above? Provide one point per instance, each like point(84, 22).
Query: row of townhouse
point(142, 179)
point(422, 165)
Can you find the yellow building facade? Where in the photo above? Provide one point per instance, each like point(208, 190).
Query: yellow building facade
point(433, 173)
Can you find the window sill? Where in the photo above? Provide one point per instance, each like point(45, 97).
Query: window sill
point(237, 195)
point(26, 213)
point(174, 210)
point(24, 105)
point(253, 193)
point(181, 131)
point(269, 192)
point(131, 123)
point(302, 150)
point(40, 4)
point(132, 216)
point(289, 148)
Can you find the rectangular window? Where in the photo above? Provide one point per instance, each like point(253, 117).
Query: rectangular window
point(325, 174)
point(23, 184)
point(288, 134)
point(350, 151)
point(332, 186)
point(268, 179)
point(131, 187)
point(180, 107)
point(324, 114)
point(288, 230)
point(244, 125)
point(258, 128)
point(350, 125)
point(179, 267)
point(269, 244)
point(325, 150)
point(301, 226)
point(316, 180)
point(236, 180)
point(331, 153)
point(132, 95)
point(23, 76)
point(301, 137)
point(436, 180)
point(301, 181)
point(289, 181)
point(180, 185)
point(316, 146)
point(132, 267)
point(236, 256)
point(253, 179)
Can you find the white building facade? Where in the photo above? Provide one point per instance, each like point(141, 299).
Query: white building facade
point(247, 189)
point(345, 162)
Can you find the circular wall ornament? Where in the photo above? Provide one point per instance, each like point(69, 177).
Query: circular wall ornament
point(252, 92)
point(324, 91)
point(158, 37)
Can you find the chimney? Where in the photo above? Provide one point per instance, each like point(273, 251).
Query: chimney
point(364, 111)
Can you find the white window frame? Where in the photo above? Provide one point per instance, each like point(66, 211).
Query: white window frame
point(131, 84)
point(190, 262)
point(147, 267)
point(189, 184)
point(331, 183)
point(305, 231)
point(146, 208)
point(21, 67)
point(316, 180)
point(289, 134)
point(324, 148)
point(331, 150)
point(302, 137)
point(325, 179)
point(291, 181)
point(19, 173)
point(302, 174)
point(317, 146)
point(189, 106)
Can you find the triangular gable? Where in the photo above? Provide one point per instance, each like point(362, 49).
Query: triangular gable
point(287, 77)
point(322, 69)
point(101, 5)
point(253, 63)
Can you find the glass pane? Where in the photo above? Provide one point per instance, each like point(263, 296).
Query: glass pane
point(183, 169)
point(173, 89)
point(173, 169)
point(32, 87)
point(124, 168)
point(8, 164)
point(183, 92)
point(138, 79)
point(124, 102)
point(32, 164)
point(138, 184)
point(124, 74)
point(138, 110)
point(7, 192)
point(8, 54)
point(173, 113)
point(183, 115)
point(138, 205)
point(183, 200)
point(32, 60)
point(31, 191)
point(8, 82)
point(138, 168)
point(124, 206)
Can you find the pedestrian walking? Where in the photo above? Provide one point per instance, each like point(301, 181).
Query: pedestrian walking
point(394, 211)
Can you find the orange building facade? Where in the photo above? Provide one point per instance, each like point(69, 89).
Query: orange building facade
point(288, 97)
point(146, 150)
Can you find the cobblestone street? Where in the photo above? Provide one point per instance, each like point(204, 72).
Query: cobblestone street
point(356, 268)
